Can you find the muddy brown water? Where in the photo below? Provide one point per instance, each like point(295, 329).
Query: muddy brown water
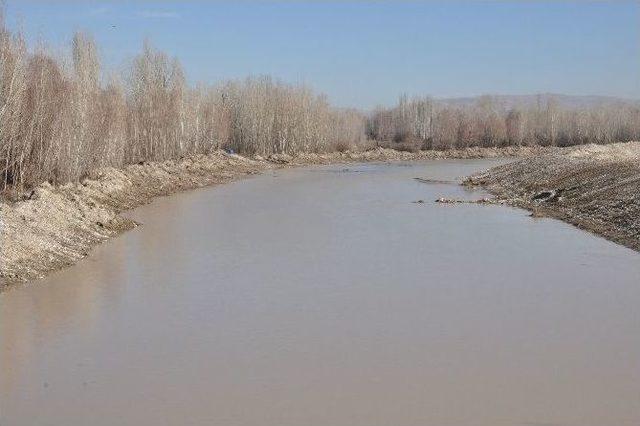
point(324, 296)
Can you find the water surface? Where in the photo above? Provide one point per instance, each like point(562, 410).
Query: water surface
point(325, 297)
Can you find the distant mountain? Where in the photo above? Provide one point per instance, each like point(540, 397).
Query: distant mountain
point(566, 101)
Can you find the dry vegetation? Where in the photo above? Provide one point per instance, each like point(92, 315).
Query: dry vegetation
point(58, 121)
point(424, 123)
point(60, 118)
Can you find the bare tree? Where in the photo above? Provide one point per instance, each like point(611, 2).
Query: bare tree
point(58, 122)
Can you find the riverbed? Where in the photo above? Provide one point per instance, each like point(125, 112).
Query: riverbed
point(328, 296)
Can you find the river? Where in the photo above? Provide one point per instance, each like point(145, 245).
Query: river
point(325, 296)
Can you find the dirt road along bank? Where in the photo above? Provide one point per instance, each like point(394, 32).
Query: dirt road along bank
point(594, 187)
point(53, 227)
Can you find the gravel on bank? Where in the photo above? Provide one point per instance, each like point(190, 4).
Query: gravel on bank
point(594, 187)
point(53, 227)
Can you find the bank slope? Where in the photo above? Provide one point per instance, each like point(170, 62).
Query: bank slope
point(53, 227)
point(594, 187)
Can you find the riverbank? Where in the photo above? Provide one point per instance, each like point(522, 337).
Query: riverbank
point(594, 187)
point(54, 227)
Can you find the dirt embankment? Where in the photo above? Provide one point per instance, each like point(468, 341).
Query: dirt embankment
point(53, 227)
point(594, 187)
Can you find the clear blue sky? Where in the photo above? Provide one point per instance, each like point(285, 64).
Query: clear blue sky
point(365, 53)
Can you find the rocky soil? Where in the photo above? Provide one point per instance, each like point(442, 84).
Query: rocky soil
point(53, 227)
point(594, 187)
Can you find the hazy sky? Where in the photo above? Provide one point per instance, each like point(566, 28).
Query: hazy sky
point(366, 53)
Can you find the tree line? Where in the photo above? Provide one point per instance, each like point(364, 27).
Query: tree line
point(61, 117)
point(424, 123)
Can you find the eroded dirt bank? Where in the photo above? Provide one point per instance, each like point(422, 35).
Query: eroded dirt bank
point(54, 227)
point(594, 187)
